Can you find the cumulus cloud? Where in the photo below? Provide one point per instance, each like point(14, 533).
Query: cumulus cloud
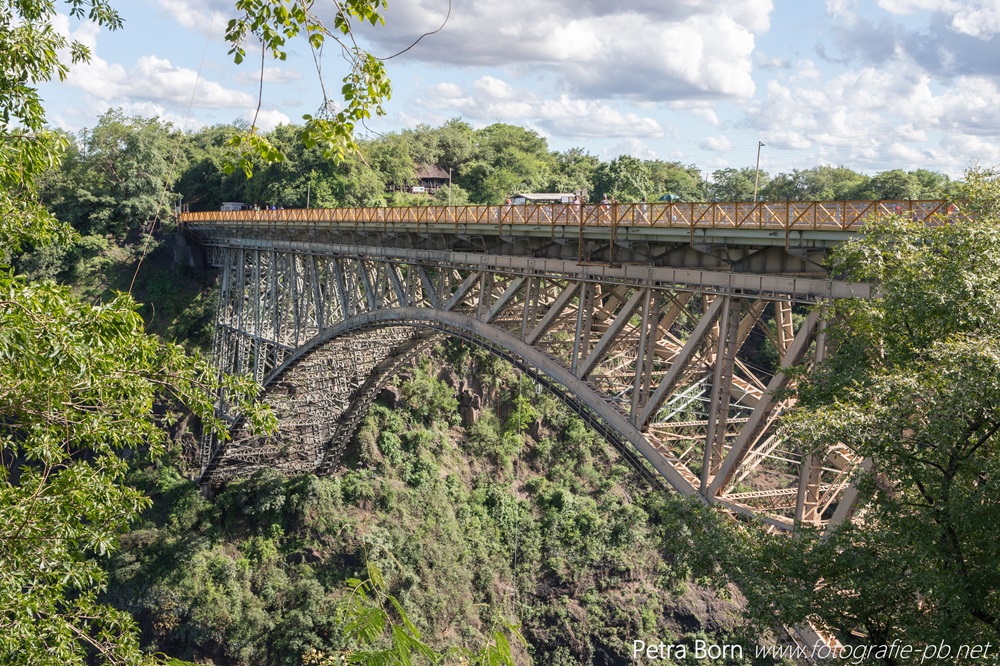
point(640, 49)
point(699, 109)
point(765, 61)
point(494, 100)
point(842, 9)
point(633, 147)
point(186, 123)
point(956, 38)
point(151, 84)
point(889, 114)
point(86, 32)
point(153, 79)
point(267, 119)
point(911, 6)
point(806, 70)
point(981, 20)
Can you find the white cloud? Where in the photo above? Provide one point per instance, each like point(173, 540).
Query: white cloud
point(631, 146)
point(152, 110)
point(447, 91)
point(585, 119)
point(699, 109)
point(874, 117)
point(495, 100)
point(494, 88)
point(905, 7)
point(204, 16)
point(806, 70)
point(639, 49)
point(765, 61)
point(842, 9)
point(153, 79)
point(267, 119)
point(980, 20)
point(976, 18)
point(86, 32)
point(717, 143)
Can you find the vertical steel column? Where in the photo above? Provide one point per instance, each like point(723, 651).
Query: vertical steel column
point(278, 298)
point(722, 377)
point(530, 290)
point(783, 326)
point(811, 469)
point(485, 295)
point(256, 302)
point(644, 355)
point(345, 301)
point(366, 285)
point(584, 319)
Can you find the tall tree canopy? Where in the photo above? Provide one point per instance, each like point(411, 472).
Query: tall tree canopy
point(735, 184)
point(624, 178)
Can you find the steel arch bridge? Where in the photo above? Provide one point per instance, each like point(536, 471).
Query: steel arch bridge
point(667, 327)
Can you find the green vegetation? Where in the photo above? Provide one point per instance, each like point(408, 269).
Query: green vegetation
point(115, 179)
point(439, 542)
point(84, 390)
point(526, 517)
point(914, 388)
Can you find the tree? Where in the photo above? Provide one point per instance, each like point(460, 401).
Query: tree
point(934, 185)
point(369, 617)
point(204, 184)
point(391, 157)
point(735, 184)
point(120, 176)
point(574, 171)
point(893, 184)
point(78, 385)
point(914, 388)
point(675, 178)
point(822, 183)
point(624, 178)
point(506, 159)
point(449, 146)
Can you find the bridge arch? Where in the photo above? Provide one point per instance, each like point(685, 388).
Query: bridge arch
point(411, 331)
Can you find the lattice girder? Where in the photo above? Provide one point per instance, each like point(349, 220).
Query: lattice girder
point(686, 367)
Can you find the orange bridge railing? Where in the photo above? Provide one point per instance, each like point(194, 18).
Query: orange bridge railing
point(793, 215)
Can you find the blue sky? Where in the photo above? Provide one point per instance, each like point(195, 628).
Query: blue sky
point(870, 85)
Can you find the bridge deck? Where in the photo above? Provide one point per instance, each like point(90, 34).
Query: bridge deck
point(831, 216)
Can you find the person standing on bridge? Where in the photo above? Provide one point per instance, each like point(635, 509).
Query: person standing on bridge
point(605, 207)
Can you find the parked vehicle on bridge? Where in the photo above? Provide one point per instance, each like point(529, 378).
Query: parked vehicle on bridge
point(234, 205)
point(542, 198)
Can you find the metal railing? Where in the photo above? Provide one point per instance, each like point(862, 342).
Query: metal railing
point(788, 216)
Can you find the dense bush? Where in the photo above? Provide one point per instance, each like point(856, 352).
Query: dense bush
point(469, 526)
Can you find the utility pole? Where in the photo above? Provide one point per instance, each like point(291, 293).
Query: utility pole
point(449, 186)
point(756, 171)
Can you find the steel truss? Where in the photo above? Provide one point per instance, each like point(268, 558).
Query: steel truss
point(685, 370)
